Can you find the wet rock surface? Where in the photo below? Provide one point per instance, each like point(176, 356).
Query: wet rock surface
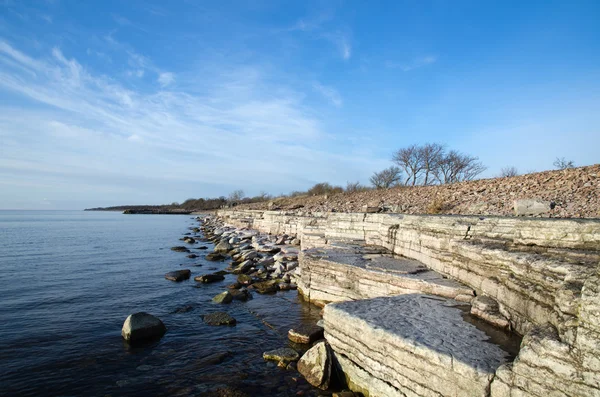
point(178, 275)
point(283, 354)
point(219, 318)
point(209, 278)
point(140, 327)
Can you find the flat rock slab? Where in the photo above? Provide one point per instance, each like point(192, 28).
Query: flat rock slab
point(417, 342)
point(351, 271)
point(219, 318)
point(178, 275)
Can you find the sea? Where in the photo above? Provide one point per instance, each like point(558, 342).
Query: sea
point(69, 279)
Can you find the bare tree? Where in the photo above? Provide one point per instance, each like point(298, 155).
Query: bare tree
point(508, 172)
point(458, 167)
point(236, 195)
point(411, 162)
point(352, 187)
point(431, 155)
point(386, 178)
point(562, 164)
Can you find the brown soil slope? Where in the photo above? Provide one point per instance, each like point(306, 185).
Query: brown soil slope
point(575, 193)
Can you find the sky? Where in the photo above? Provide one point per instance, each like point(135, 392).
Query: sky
point(140, 102)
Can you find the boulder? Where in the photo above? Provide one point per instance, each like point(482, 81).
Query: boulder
point(265, 287)
point(142, 326)
point(189, 240)
point(283, 354)
point(243, 267)
point(219, 318)
point(305, 334)
point(178, 275)
point(209, 278)
point(247, 255)
point(223, 247)
point(244, 279)
point(180, 248)
point(532, 207)
point(315, 365)
point(214, 257)
point(223, 297)
point(241, 294)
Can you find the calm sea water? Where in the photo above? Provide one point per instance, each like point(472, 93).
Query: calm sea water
point(69, 279)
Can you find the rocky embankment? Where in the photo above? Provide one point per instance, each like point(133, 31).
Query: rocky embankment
point(570, 193)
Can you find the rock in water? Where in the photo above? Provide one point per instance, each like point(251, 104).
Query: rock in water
point(142, 326)
point(283, 354)
point(223, 297)
point(305, 334)
point(178, 275)
point(315, 365)
point(223, 246)
point(180, 248)
point(209, 278)
point(265, 287)
point(218, 318)
point(214, 257)
point(241, 295)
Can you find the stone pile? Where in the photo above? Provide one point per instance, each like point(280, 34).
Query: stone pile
point(570, 193)
point(262, 262)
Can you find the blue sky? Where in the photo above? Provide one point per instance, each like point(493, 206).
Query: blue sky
point(123, 102)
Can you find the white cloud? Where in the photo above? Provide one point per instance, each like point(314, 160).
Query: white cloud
point(233, 116)
point(135, 138)
point(166, 78)
point(330, 93)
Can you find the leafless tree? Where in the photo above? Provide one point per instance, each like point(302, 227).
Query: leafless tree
point(431, 156)
point(562, 164)
point(236, 195)
point(508, 172)
point(352, 187)
point(411, 162)
point(457, 167)
point(386, 178)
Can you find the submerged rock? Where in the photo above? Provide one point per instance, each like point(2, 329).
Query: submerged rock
point(178, 275)
point(180, 248)
point(209, 278)
point(315, 365)
point(192, 256)
point(219, 318)
point(283, 354)
point(142, 326)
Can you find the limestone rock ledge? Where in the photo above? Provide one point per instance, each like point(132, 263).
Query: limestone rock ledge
point(411, 345)
point(353, 271)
